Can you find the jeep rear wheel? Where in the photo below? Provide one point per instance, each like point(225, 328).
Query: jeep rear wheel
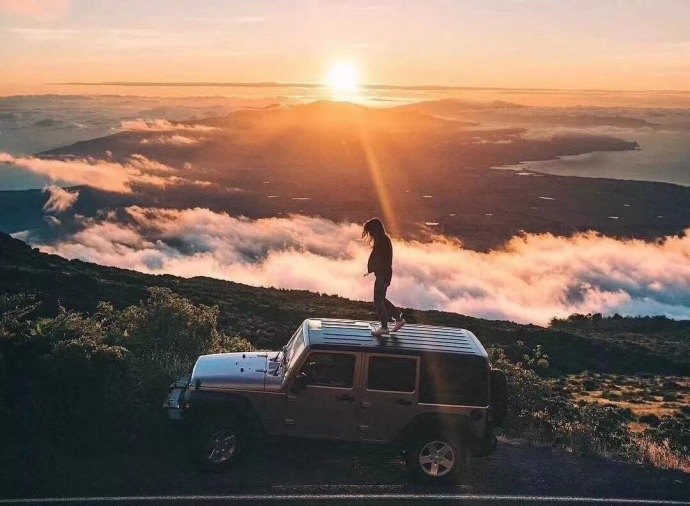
point(436, 459)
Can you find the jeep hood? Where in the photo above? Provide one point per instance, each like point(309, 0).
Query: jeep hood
point(231, 371)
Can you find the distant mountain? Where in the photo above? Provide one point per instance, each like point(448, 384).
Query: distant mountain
point(340, 160)
point(454, 106)
point(500, 111)
point(268, 316)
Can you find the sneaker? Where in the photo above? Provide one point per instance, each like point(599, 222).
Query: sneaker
point(381, 331)
point(398, 325)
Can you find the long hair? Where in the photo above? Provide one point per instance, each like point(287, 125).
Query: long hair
point(373, 230)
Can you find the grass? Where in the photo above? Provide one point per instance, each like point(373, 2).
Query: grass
point(648, 397)
point(645, 396)
point(660, 456)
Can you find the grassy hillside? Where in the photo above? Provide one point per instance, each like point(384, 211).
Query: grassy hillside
point(83, 379)
point(267, 316)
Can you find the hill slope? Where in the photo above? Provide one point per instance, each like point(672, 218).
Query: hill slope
point(268, 316)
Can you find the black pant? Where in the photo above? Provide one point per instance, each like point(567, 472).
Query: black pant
point(384, 307)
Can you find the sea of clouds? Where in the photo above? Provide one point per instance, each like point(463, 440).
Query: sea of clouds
point(531, 279)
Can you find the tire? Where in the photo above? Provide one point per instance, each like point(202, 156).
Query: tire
point(219, 443)
point(436, 459)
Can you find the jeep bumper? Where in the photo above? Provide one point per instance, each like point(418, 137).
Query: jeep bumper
point(173, 405)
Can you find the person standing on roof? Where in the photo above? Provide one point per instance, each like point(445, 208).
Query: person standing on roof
point(381, 264)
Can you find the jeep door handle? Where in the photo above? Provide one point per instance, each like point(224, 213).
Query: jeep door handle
point(403, 402)
point(345, 398)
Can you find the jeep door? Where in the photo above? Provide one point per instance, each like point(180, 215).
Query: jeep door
point(389, 395)
point(327, 406)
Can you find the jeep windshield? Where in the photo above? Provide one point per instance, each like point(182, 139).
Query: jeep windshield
point(293, 349)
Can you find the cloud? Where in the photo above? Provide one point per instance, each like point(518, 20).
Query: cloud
point(532, 279)
point(52, 221)
point(44, 10)
point(162, 125)
point(239, 20)
point(41, 34)
point(172, 140)
point(548, 133)
point(60, 200)
point(107, 176)
point(244, 20)
point(143, 164)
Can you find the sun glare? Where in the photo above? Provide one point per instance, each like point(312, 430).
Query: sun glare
point(343, 78)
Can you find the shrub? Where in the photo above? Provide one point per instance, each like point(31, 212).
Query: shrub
point(650, 419)
point(673, 433)
point(535, 409)
point(612, 396)
point(167, 323)
point(589, 385)
point(99, 379)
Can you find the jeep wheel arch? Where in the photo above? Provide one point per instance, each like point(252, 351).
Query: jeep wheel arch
point(204, 405)
point(458, 426)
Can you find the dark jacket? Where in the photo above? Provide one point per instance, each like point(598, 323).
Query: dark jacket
point(381, 259)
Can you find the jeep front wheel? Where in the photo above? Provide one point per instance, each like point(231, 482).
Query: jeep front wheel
point(435, 459)
point(219, 443)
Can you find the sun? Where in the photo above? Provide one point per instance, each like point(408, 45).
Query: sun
point(343, 77)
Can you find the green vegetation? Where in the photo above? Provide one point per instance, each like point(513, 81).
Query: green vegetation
point(655, 335)
point(97, 380)
point(546, 410)
point(538, 410)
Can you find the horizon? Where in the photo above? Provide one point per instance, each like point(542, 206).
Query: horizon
point(496, 44)
point(363, 85)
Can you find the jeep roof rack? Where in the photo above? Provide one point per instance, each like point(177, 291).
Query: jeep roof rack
point(356, 335)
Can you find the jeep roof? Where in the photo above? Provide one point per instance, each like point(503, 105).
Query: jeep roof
point(412, 338)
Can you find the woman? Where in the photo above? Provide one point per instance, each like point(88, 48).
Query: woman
point(381, 264)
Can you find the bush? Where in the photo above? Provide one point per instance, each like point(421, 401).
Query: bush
point(650, 419)
point(167, 323)
point(100, 379)
point(534, 409)
point(673, 433)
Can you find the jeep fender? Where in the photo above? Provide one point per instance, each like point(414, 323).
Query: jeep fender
point(454, 425)
point(200, 405)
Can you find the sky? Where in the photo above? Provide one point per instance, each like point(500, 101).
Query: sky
point(564, 44)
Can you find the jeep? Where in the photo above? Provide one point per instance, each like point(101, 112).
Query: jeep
point(427, 391)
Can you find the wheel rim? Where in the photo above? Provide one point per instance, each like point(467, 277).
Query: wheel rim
point(437, 458)
point(221, 446)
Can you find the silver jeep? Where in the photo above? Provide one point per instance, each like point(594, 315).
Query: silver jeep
point(430, 391)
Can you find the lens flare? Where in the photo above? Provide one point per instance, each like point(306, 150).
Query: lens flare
point(343, 77)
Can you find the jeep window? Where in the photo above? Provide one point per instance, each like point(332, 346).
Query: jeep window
point(460, 381)
point(330, 369)
point(392, 374)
